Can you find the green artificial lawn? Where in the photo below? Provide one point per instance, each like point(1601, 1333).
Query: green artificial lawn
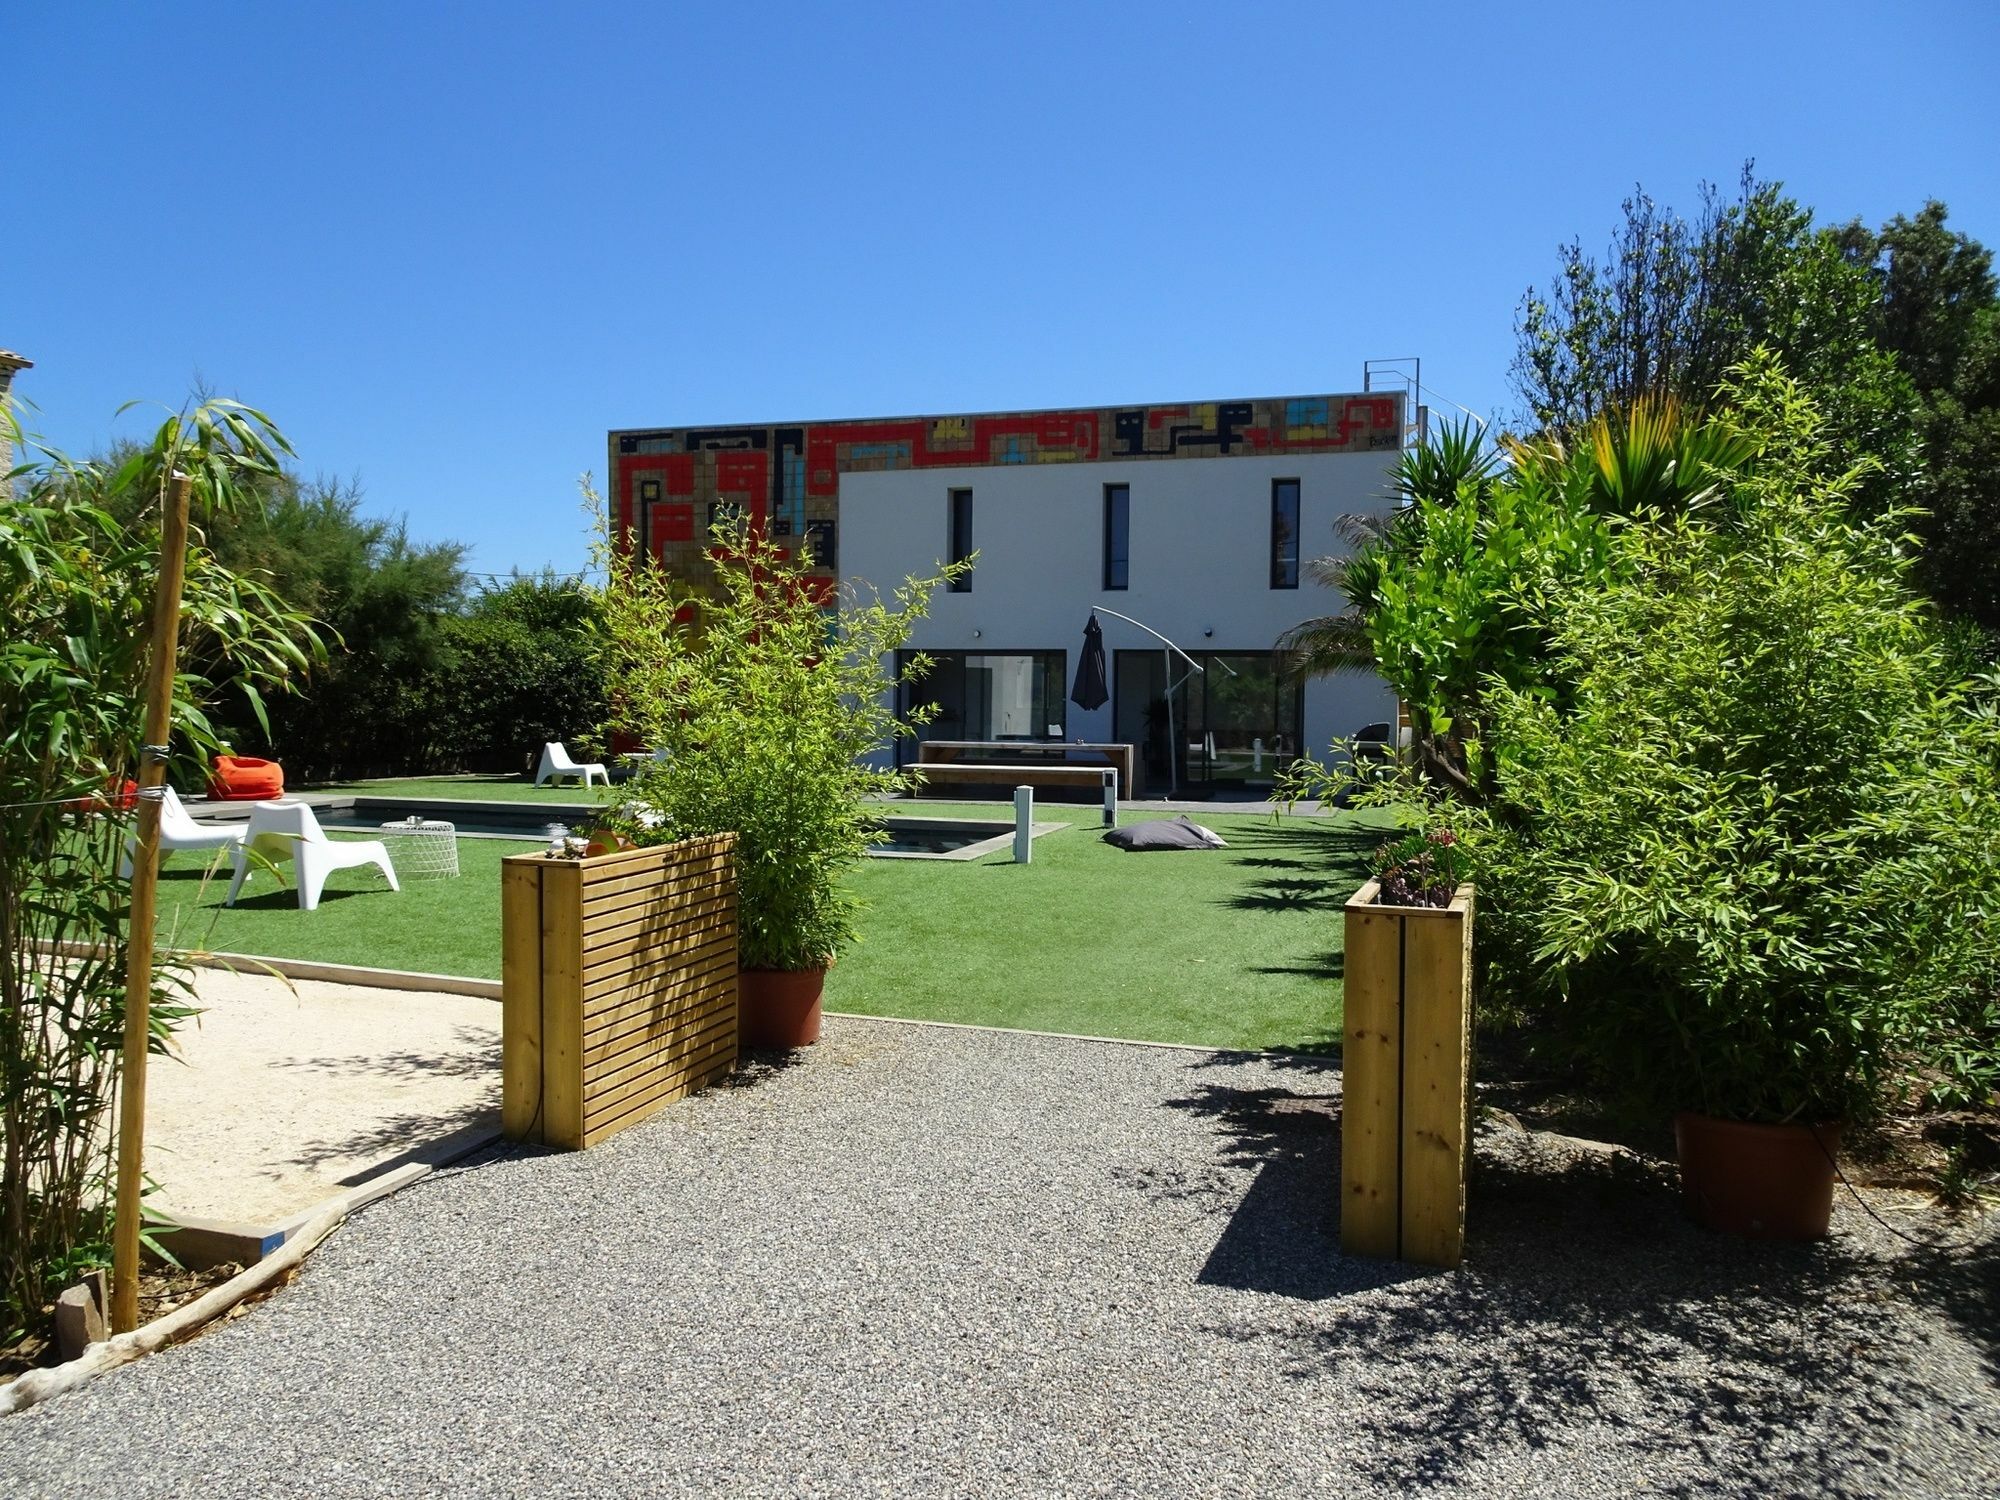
point(437, 926)
point(1237, 947)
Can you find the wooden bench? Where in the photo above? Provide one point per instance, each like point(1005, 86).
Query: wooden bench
point(1037, 755)
point(1045, 773)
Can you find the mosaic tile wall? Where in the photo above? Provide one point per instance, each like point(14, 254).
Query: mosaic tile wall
point(669, 486)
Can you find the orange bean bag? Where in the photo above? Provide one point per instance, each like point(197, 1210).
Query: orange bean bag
point(244, 778)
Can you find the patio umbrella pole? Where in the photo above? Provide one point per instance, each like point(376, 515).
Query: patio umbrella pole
point(1167, 656)
point(161, 662)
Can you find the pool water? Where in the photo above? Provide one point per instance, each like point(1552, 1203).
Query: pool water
point(909, 837)
point(935, 836)
point(476, 819)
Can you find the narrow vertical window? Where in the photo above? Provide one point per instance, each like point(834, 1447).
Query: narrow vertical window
point(1117, 536)
point(961, 537)
point(1284, 533)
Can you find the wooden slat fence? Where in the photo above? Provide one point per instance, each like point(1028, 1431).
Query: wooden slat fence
point(618, 984)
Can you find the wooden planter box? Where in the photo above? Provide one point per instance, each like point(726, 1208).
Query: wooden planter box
point(1405, 1125)
point(618, 986)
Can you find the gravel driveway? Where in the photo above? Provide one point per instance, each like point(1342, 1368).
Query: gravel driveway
point(926, 1261)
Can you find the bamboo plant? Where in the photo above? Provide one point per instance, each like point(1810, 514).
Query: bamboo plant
point(79, 553)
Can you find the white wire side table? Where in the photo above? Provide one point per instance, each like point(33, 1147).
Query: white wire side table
point(426, 849)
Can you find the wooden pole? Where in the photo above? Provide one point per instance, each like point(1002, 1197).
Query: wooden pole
point(161, 663)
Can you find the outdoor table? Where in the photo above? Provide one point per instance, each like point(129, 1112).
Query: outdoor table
point(427, 848)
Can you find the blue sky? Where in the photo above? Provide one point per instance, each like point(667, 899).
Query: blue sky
point(448, 246)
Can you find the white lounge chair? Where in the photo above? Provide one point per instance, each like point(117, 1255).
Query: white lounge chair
point(556, 762)
point(288, 830)
point(179, 832)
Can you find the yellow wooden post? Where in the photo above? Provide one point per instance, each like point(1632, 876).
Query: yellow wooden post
point(1371, 1072)
point(162, 662)
point(562, 1003)
point(520, 998)
point(1405, 1095)
point(1437, 951)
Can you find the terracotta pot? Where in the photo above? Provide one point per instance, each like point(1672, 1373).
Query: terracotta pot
point(778, 1007)
point(608, 843)
point(1767, 1181)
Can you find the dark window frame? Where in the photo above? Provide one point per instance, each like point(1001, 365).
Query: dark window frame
point(1193, 772)
point(907, 693)
point(1285, 570)
point(1117, 572)
point(958, 534)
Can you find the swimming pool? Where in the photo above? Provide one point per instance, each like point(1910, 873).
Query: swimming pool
point(909, 837)
point(477, 820)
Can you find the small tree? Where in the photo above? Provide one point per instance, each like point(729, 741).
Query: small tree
point(1450, 595)
point(767, 697)
point(1939, 314)
point(1741, 858)
point(1675, 304)
point(79, 556)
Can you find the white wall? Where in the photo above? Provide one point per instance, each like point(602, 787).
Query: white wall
point(1200, 559)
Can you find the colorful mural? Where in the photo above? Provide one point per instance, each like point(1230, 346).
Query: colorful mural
point(668, 486)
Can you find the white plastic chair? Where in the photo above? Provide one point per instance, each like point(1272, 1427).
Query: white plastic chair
point(288, 830)
point(179, 832)
point(556, 762)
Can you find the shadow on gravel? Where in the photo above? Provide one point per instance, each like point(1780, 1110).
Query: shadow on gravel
point(1283, 1235)
point(1964, 1280)
point(1589, 1310)
point(758, 1067)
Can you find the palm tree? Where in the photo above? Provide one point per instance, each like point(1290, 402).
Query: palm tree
point(1339, 642)
point(1453, 465)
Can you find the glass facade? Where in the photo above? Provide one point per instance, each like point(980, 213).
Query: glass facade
point(1117, 536)
point(1021, 695)
point(1284, 533)
point(1236, 722)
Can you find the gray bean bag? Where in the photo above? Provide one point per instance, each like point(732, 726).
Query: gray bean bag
point(1177, 833)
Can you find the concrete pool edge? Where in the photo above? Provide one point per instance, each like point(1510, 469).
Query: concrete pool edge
point(1001, 837)
point(526, 822)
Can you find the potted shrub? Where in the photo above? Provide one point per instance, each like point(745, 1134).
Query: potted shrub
point(1738, 859)
point(768, 697)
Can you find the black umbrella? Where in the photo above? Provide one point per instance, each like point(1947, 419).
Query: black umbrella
point(1089, 691)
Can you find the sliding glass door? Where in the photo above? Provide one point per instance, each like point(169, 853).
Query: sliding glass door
point(1234, 724)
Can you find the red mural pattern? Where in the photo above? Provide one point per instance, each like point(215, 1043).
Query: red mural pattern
point(670, 486)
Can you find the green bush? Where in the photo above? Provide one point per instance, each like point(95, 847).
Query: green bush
point(1743, 861)
point(522, 665)
point(1452, 596)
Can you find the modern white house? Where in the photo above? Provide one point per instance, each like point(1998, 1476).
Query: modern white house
point(1187, 523)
